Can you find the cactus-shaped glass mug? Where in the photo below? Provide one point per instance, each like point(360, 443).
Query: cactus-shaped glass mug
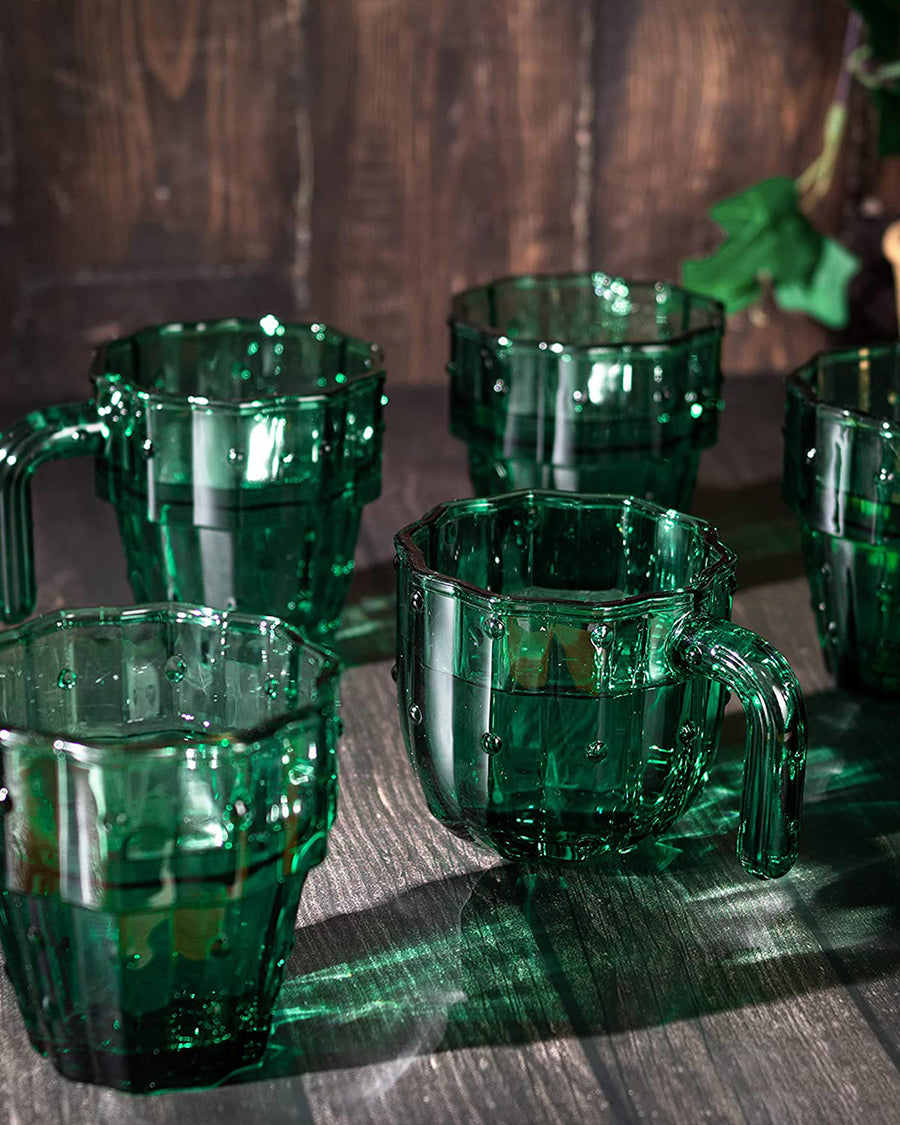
point(562, 661)
point(167, 780)
point(237, 454)
point(842, 478)
point(585, 383)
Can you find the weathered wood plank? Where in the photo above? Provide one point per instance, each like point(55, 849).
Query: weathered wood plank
point(160, 159)
point(445, 152)
point(153, 133)
point(358, 161)
point(694, 102)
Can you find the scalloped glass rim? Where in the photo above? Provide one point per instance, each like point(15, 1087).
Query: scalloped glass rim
point(227, 326)
point(545, 280)
point(724, 560)
point(799, 383)
point(227, 743)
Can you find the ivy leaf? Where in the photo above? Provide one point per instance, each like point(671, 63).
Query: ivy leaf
point(824, 296)
point(768, 239)
point(756, 205)
point(882, 18)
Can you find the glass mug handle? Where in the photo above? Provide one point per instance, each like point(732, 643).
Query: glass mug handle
point(72, 430)
point(775, 755)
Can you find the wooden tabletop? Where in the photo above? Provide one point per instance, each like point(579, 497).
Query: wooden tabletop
point(432, 983)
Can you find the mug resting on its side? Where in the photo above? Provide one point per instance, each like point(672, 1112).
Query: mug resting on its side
point(561, 661)
point(238, 455)
point(585, 383)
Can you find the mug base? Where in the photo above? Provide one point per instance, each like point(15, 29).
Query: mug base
point(509, 837)
point(152, 1070)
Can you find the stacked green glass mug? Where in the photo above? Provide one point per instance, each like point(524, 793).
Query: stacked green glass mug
point(168, 771)
point(842, 478)
point(586, 383)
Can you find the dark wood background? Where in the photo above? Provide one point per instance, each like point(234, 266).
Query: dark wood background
point(357, 160)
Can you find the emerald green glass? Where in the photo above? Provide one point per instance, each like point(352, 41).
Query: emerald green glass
point(841, 464)
point(168, 780)
point(238, 456)
point(585, 383)
point(560, 668)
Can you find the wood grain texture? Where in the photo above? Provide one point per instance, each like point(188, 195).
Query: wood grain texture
point(704, 99)
point(7, 209)
point(152, 133)
point(159, 148)
point(565, 136)
point(357, 161)
point(430, 982)
point(444, 140)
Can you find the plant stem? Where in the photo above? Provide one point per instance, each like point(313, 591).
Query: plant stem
point(815, 182)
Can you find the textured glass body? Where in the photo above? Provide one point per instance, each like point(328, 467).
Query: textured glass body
point(168, 780)
point(585, 383)
point(238, 456)
point(560, 662)
point(842, 478)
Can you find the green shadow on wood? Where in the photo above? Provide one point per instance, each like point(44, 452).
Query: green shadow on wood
point(671, 932)
point(367, 632)
point(757, 524)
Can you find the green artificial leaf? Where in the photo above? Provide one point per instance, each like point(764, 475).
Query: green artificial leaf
point(768, 239)
point(882, 18)
point(824, 296)
point(756, 205)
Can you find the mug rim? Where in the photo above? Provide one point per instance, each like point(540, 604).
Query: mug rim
point(546, 280)
point(799, 382)
point(83, 749)
point(228, 325)
point(408, 551)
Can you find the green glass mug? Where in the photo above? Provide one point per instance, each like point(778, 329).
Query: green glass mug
point(585, 383)
point(561, 668)
point(238, 456)
point(167, 781)
point(842, 479)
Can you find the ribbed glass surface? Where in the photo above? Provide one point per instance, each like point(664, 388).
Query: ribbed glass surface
point(168, 780)
point(238, 456)
point(560, 669)
point(585, 383)
point(842, 478)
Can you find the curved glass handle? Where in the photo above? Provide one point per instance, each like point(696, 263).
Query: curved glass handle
point(775, 756)
point(59, 431)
